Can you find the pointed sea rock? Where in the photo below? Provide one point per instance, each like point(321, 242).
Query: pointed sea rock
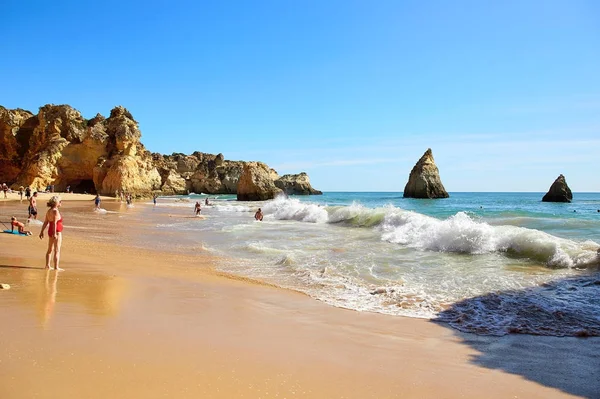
point(424, 180)
point(559, 191)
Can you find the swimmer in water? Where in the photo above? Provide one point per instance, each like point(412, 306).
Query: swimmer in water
point(259, 215)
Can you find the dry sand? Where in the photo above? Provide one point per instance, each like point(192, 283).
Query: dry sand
point(121, 322)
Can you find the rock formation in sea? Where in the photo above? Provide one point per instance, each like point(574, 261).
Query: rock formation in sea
point(257, 182)
point(296, 185)
point(424, 180)
point(559, 191)
point(59, 147)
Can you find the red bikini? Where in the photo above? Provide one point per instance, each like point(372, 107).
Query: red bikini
point(59, 227)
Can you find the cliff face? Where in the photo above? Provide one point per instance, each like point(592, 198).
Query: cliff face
point(424, 180)
point(11, 148)
point(59, 147)
point(559, 191)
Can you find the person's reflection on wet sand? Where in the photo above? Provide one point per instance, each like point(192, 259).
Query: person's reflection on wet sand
point(50, 296)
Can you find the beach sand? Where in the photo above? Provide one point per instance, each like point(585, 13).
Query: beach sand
point(122, 322)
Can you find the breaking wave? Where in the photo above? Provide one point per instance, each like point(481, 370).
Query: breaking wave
point(459, 233)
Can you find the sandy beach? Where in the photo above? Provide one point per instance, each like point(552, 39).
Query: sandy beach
point(126, 322)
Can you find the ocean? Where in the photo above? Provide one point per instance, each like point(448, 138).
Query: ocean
point(487, 263)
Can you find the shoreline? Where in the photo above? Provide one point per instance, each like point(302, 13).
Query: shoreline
point(128, 322)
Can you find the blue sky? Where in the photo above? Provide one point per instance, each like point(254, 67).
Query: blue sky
point(507, 95)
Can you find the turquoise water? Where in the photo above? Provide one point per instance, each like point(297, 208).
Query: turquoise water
point(576, 220)
point(490, 263)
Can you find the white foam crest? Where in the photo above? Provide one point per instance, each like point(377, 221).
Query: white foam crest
point(292, 209)
point(459, 233)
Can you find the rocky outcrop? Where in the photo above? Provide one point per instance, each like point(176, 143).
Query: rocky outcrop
point(11, 148)
point(59, 147)
point(256, 183)
point(296, 185)
point(424, 180)
point(559, 191)
point(103, 155)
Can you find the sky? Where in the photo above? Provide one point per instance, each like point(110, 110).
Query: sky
point(506, 94)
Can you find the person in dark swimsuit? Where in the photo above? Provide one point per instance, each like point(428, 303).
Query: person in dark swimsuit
point(197, 208)
point(33, 206)
point(54, 221)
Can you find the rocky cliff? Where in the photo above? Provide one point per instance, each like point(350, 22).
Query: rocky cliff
point(559, 191)
point(59, 147)
point(424, 180)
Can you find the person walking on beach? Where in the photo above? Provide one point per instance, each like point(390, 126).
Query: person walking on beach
point(197, 208)
point(154, 197)
point(97, 202)
point(258, 215)
point(27, 192)
point(19, 225)
point(54, 222)
point(5, 189)
point(21, 189)
point(32, 207)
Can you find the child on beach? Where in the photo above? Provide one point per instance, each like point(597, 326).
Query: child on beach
point(19, 225)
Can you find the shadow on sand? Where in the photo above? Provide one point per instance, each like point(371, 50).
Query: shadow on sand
point(548, 334)
point(21, 267)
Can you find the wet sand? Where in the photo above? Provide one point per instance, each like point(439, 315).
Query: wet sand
point(124, 322)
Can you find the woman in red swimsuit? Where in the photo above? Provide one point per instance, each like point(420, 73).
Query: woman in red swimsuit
point(55, 226)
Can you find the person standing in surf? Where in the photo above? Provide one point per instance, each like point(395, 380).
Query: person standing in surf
point(197, 208)
point(97, 202)
point(259, 215)
point(54, 222)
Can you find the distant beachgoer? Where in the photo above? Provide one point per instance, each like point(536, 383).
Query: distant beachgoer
point(5, 189)
point(27, 192)
point(154, 197)
point(258, 215)
point(206, 201)
point(21, 192)
point(97, 201)
point(68, 189)
point(19, 225)
point(32, 207)
point(54, 222)
point(128, 199)
point(197, 208)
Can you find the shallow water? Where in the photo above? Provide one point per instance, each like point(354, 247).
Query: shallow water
point(490, 263)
